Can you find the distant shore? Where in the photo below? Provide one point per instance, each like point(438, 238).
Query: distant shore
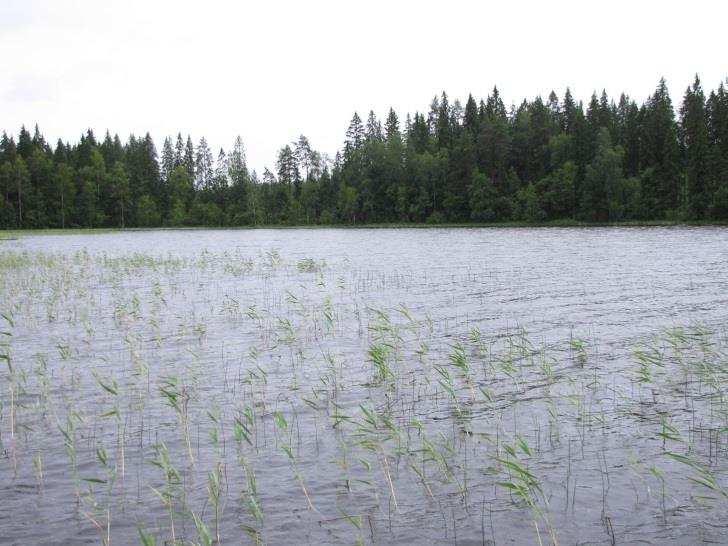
point(15, 233)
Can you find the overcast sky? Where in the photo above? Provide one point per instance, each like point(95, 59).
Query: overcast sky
point(270, 70)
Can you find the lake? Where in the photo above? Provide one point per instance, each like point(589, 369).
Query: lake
point(375, 386)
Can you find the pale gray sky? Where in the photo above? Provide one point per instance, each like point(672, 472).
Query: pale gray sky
point(272, 69)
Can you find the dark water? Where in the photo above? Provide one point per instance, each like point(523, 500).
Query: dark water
point(593, 358)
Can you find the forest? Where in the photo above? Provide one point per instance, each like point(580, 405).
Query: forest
point(541, 161)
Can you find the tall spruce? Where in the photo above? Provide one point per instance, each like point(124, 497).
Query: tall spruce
point(660, 152)
point(203, 166)
point(695, 144)
point(718, 158)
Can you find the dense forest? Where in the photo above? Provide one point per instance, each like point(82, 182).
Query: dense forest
point(540, 161)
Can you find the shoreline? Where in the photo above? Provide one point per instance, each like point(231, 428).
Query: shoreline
point(10, 234)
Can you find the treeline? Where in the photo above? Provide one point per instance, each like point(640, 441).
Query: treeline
point(536, 162)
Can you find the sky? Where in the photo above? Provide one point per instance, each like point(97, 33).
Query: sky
point(270, 70)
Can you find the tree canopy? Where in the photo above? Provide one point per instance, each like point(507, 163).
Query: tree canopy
point(538, 161)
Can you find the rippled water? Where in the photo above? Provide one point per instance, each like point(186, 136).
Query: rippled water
point(280, 331)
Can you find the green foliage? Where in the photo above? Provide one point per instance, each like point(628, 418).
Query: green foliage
point(558, 191)
point(147, 214)
point(529, 206)
point(483, 199)
point(602, 197)
point(544, 161)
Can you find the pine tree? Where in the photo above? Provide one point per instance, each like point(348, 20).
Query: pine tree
point(268, 176)
point(304, 154)
point(288, 172)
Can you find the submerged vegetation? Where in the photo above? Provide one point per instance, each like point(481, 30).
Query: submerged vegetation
point(547, 160)
point(221, 397)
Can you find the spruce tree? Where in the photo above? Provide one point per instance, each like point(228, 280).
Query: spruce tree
point(203, 166)
point(471, 120)
point(443, 127)
point(25, 143)
point(237, 163)
point(601, 198)
point(239, 206)
point(628, 134)
point(179, 151)
point(373, 129)
point(220, 176)
point(568, 113)
point(354, 135)
point(494, 141)
point(695, 147)
point(391, 127)
point(555, 109)
point(718, 157)
point(494, 107)
point(188, 161)
point(660, 151)
point(168, 159)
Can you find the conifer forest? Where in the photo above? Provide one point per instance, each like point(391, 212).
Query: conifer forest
point(552, 160)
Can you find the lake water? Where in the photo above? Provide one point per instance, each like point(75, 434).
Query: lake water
point(387, 386)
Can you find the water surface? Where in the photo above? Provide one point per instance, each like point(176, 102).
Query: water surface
point(490, 339)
